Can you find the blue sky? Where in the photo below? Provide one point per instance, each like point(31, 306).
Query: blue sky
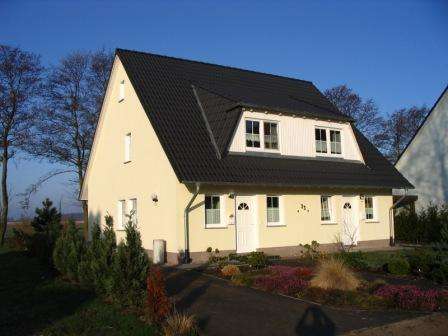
point(395, 52)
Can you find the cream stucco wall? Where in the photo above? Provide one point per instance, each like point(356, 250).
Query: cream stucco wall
point(149, 172)
point(109, 180)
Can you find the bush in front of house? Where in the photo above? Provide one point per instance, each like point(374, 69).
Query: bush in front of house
point(242, 279)
point(130, 268)
point(398, 265)
point(411, 297)
point(284, 280)
point(68, 251)
point(332, 273)
point(95, 268)
point(355, 260)
point(257, 260)
point(426, 226)
point(158, 305)
point(230, 270)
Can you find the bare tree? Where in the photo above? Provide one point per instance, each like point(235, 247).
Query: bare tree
point(363, 111)
point(73, 96)
point(399, 128)
point(20, 77)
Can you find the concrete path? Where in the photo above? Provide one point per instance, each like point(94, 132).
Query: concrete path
point(224, 309)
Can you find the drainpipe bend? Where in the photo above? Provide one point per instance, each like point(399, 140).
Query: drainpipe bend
point(186, 257)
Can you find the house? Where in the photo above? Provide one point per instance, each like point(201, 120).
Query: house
point(213, 156)
point(424, 161)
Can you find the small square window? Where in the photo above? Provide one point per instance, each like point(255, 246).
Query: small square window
point(127, 147)
point(252, 134)
point(325, 208)
point(321, 140)
point(273, 210)
point(370, 215)
point(270, 135)
point(335, 142)
point(212, 210)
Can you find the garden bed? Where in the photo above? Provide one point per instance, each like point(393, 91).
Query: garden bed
point(373, 280)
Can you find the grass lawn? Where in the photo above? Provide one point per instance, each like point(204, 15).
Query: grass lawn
point(34, 301)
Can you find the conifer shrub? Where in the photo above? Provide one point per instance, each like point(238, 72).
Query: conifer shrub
point(95, 268)
point(68, 251)
point(398, 266)
point(158, 305)
point(130, 268)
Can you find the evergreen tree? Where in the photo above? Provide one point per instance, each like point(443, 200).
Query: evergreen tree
point(46, 217)
point(130, 268)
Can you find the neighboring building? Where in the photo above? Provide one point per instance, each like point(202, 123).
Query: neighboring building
point(272, 162)
point(425, 159)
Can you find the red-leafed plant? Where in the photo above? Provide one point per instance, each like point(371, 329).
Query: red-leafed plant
point(158, 304)
point(301, 272)
point(284, 280)
point(411, 297)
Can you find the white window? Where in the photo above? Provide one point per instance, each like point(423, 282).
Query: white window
point(121, 215)
point(369, 202)
point(273, 210)
point(215, 215)
point(325, 209)
point(321, 140)
point(252, 134)
point(321, 135)
point(133, 210)
point(335, 142)
point(121, 91)
point(270, 135)
point(127, 148)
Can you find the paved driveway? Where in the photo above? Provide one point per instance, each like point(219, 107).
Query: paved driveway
point(224, 309)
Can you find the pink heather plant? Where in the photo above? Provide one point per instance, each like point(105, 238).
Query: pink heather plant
point(301, 272)
point(411, 297)
point(284, 279)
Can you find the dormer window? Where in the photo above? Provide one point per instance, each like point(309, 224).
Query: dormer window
point(270, 135)
point(321, 140)
point(252, 134)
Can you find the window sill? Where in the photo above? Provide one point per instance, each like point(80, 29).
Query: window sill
point(216, 226)
point(120, 100)
point(328, 223)
point(275, 225)
point(372, 221)
point(126, 162)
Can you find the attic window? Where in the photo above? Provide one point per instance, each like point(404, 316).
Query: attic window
point(252, 133)
point(121, 91)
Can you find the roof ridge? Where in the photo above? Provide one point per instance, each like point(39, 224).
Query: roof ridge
point(214, 64)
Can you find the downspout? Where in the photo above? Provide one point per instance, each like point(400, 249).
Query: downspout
point(391, 218)
point(187, 259)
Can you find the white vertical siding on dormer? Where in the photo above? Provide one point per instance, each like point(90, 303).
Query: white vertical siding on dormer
point(296, 135)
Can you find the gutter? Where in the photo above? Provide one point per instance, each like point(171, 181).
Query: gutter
point(391, 218)
point(186, 259)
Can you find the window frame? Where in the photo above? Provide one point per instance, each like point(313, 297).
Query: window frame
point(121, 214)
point(374, 218)
point(261, 128)
point(128, 148)
point(331, 142)
point(280, 221)
point(328, 141)
point(222, 220)
point(331, 220)
point(260, 134)
point(121, 91)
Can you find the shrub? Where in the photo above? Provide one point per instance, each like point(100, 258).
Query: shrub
point(95, 268)
point(242, 279)
point(398, 266)
point(230, 270)
point(333, 274)
point(301, 272)
point(130, 268)
point(158, 305)
point(179, 324)
point(310, 252)
point(46, 217)
point(354, 259)
point(257, 260)
point(68, 251)
point(288, 285)
point(410, 297)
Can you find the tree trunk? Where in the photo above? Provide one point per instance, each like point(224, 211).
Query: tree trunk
point(5, 197)
point(85, 214)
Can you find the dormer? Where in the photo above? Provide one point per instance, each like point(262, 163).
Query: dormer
point(286, 135)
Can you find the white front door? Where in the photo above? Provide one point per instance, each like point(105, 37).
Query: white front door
point(245, 225)
point(350, 226)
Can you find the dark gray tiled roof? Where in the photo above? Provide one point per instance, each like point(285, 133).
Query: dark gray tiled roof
point(194, 108)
